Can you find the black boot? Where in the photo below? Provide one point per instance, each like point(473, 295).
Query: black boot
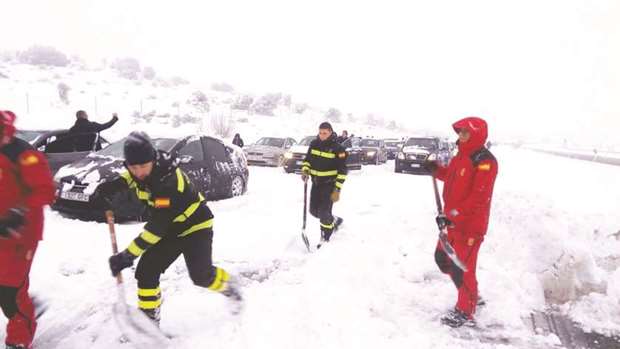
point(337, 223)
point(456, 318)
point(232, 291)
point(153, 314)
point(16, 346)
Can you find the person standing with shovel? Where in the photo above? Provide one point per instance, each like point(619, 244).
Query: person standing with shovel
point(180, 223)
point(468, 188)
point(325, 162)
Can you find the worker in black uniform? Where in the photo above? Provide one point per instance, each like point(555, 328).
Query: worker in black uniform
point(181, 223)
point(326, 163)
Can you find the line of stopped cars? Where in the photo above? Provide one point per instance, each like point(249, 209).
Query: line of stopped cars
point(82, 162)
point(218, 170)
point(409, 154)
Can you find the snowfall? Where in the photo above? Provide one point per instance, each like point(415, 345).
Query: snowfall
point(375, 284)
point(553, 240)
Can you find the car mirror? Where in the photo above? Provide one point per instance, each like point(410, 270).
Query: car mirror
point(186, 159)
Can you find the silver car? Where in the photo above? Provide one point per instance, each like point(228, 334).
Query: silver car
point(268, 151)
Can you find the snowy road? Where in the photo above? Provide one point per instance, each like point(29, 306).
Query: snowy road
point(376, 283)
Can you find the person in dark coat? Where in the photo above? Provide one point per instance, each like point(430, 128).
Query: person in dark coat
point(86, 131)
point(238, 141)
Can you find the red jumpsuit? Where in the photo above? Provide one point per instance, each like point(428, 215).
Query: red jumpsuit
point(25, 183)
point(468, 188)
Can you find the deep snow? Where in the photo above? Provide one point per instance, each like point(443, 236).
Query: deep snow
point(376, 283)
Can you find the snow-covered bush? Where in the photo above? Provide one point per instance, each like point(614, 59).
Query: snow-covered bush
point(199, 101)
point(333, 114)
point(265, 105)
point(128, 68)
point(243, 102)
point(148, 73)
point(222, 125)
point(43, 55)
point(63, 92)
point(222, 87)
point(300, 108)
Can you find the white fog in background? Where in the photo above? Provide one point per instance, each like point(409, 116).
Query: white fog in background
point(537, 70)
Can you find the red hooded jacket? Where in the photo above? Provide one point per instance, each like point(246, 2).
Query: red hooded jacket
point(469, 180)
point(25, 182)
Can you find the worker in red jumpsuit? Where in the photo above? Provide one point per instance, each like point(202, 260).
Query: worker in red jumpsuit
point(468, 187)
point(26, 186)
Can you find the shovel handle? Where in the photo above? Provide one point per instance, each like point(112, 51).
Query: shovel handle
point(109, 216)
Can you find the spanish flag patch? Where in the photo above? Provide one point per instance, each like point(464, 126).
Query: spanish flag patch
point(29, 160)
point(162, 202)
point(342, 155)
point(484, 167)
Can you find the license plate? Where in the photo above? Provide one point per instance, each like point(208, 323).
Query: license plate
point(415, 165)
point(72, 196)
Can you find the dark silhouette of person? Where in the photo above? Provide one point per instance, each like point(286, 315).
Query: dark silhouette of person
point(86, 132)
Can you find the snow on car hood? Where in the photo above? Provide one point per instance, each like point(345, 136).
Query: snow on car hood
point(264, 148)
point(412, 149)
point(90, 171)
point(299, 149)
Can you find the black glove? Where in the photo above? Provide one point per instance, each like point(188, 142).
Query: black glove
point(13, 221)
point(120, 261)
point(430, 165)
point(443, 221)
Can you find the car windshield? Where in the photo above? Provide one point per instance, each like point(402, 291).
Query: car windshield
point(392, 144)
point(426, 143)
point(115, 149)
point(370, 143)
point(307, 140)
point(29, 136)
point(271, 142)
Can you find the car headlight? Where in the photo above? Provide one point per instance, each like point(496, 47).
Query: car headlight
point(288, 155)
point(371, 153)
point(401, 156)
point(432, 157)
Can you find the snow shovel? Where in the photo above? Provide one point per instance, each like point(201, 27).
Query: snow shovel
point(303, 227)
point(443, 233)
point(134, 325)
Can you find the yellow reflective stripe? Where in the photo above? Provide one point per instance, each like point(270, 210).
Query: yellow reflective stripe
point(180, 181)
point(342, 177)
point(150, 237)
point(149, 292)
point(338, 185)
point(327, 226)
point(305, 163)
point(323, 173)
point(197, 227)
point(142, 195)
point(149, 304)
point(221, 277)
point(190, 210)
point(127, 177)
point(135, 249)
point(323, 154)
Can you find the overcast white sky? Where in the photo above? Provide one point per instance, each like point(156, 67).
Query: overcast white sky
point(531, 67)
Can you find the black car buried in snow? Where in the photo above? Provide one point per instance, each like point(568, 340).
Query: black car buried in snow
point(218, 170)
point(374, 151)
point(60, 146)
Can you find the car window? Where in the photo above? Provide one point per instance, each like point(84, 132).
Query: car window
point(61, 143)
point(307, 140)
point(272, 142)
point(216, 150)
point(193, 149)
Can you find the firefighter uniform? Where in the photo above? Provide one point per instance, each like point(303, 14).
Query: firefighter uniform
point(180, 223)
point(326, 163)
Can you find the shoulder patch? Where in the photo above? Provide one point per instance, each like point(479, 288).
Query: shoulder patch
point(484, 167)
point(162, 202)
point(342, 155)
point(29, 160)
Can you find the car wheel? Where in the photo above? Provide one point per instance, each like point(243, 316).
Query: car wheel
point(237, 186)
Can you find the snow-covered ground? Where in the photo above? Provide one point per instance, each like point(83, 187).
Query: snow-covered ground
point(375, 284)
